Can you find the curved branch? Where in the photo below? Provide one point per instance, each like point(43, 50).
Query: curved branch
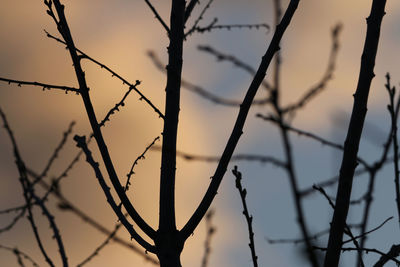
point(188, 229)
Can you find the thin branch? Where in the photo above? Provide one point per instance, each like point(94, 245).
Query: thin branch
point(188, 229)
point(66, 205)
point(81, 143)
point(25, 186)
point(190, 8)
point(234, 60)
point(114, 74)
point(199, 18)
point(131, 172)
point(391, 255)
point(19, 258)
point(14, 221)
point(84, 92)
point(313, 136)
point(394, 114)
point(39, 84)
point(347, 229)
point(301, 240)
point(60, 146)
point(373, 174)
point(368, 232)
point(21, 254)
point(246, 214)
point(207, 243)
point(157, 16)
point(203, 92)
point(237, 157)
point(214, 26)
point(101, 246)
point(367, 250)
point(321, 85)
point(217, 99)
point(64, 174)
point(297, 240)
point(54, 228)
point(290, 169)
point(118, 105)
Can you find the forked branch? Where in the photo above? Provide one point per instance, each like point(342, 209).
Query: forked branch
point(238, 127)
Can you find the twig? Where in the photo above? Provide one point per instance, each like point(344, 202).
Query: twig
point(66, 205)
point(203, 92)
point(20, 253)
point(199, 18)
point(246, 214)
point(237, 157)
point(54, 228)
point(321, 85)
point(367, 250)
point(214, 26)
point(313, 136)
point(56, 181)
point(234, 60)
point(14, 221)
point(114, 74)
point(39, 84)
point(131, 172)
point(391, 255)
point(374, 170)
point(293, 181)
point(237, 130)
point(81, 143)
point(158, 17)
point(347, 229)
point(118, 105)
point(297, 240)
point(207, 243)
point(333, 180)
point(64, 139)
point(25, 185)
point(368, 232)
point(101, 246)
point(394, 114)
point(189, 9)
point(29, 195)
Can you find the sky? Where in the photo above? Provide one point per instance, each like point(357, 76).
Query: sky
point(120, 34)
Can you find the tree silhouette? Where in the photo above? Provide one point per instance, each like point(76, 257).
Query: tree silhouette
point(166, 240)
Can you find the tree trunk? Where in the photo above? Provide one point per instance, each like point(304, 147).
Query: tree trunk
point(169, 247)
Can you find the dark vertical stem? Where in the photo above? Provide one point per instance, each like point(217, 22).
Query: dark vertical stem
point(168, 242)
point(168, 158)
point(351, 145)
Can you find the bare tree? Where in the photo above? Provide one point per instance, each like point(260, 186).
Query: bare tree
point(167, 240)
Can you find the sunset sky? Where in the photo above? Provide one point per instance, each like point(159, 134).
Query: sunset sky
point(120, 34)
